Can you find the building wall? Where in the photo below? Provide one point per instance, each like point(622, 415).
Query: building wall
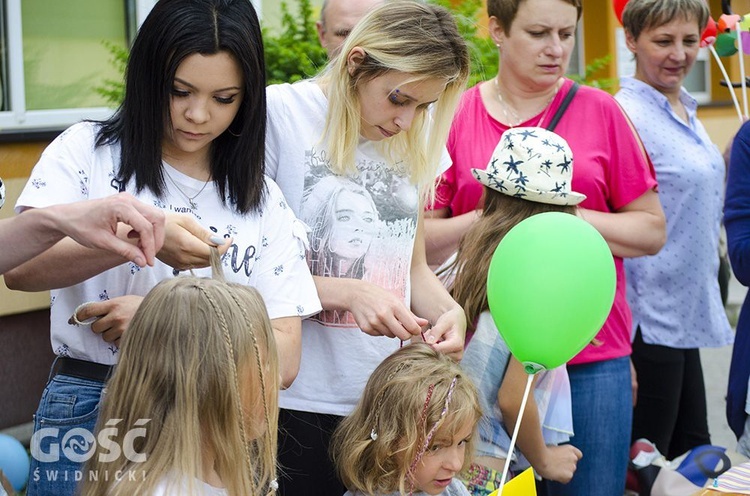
point(25, 351)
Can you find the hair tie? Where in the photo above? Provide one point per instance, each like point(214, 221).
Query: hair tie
point(381, 394)
point(74, 317)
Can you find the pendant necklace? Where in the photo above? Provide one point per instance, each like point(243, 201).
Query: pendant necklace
point(516, 118)
point(190, 199)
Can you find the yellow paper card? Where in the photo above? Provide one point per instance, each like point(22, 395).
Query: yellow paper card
point(521, 485)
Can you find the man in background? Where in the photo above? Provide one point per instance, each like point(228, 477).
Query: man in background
point(337, 18)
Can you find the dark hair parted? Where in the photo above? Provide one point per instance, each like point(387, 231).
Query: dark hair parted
point(174, 30)
point(505, 10)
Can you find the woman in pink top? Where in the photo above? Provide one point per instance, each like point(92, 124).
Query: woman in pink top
point(535, 39)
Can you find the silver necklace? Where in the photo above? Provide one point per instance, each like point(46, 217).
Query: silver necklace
point(190, 199)
point(516, 118)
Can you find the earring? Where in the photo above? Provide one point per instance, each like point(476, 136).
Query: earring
point(236, 135)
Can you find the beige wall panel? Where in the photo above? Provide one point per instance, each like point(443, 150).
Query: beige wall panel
point(12, 302)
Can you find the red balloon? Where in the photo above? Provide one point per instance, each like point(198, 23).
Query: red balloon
point(619, 6)
point(709, 34)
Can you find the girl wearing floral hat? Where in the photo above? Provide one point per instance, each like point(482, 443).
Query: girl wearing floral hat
point(529, 173)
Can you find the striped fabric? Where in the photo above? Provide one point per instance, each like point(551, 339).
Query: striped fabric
point(735, 480)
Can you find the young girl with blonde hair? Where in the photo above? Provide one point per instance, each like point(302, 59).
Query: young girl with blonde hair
point(412, 430)
point(198, 381)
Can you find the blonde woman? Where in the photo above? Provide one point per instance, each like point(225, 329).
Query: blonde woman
point(413, 430)
point(366, 119)
point(197, 381)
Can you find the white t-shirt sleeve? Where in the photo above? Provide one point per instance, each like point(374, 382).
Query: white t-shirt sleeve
point(276, 116)
point(445, 161)
point(62, 173)
point(282, 269)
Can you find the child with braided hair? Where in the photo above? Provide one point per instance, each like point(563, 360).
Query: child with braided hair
point(199, 376)
point(412, 431)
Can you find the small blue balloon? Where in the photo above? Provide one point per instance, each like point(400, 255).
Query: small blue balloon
point(14, 461)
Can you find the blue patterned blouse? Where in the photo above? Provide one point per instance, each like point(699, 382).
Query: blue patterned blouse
point(674, 295)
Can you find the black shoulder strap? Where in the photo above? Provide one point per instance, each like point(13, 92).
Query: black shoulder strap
point(563, 106)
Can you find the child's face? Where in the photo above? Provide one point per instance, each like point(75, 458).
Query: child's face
point(442, 461)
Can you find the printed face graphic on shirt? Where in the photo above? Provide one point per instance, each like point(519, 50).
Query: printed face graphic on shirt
point(361, 227)
point(355, 223)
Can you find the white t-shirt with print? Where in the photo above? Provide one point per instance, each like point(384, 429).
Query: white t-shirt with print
point(267, 250)
point(337, 357)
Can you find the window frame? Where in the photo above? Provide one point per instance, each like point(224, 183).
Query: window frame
point(702, 97)
point(20, 120)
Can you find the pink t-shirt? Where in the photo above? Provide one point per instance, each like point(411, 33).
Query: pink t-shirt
point(610, 168)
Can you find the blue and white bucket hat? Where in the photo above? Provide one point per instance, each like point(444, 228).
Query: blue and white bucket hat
point(534, 164)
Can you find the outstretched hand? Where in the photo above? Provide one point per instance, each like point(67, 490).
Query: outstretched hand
point(94, 223)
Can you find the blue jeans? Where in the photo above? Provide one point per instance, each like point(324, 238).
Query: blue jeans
point(58, 454)
point(602, 416)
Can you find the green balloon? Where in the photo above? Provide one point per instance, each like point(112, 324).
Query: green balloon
point(550, 287)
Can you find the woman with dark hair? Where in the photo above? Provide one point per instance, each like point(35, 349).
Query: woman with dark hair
point(188, 138)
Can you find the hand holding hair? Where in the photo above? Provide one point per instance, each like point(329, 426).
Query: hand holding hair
point(187, 244)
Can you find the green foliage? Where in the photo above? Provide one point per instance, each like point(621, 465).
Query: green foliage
point(295, 53)
point(607, 84)
point(484, 59)
point(114, 91)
